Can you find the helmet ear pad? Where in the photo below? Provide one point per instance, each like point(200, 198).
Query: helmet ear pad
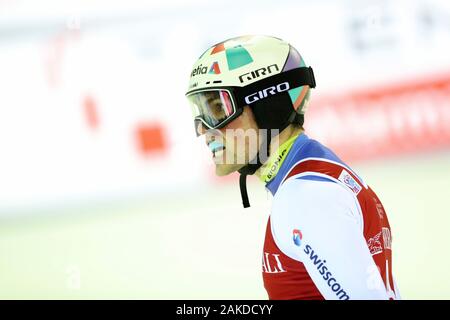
point(273, 112)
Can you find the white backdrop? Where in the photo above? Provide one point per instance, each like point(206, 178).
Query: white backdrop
point(132, 62)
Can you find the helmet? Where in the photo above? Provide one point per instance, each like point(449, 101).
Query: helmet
point(265, 73)
point(262, 72)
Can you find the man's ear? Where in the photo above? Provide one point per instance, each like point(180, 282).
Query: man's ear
point(250, 115)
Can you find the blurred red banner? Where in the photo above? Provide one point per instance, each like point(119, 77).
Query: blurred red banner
point(402, 118)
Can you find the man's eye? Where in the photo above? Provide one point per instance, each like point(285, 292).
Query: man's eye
point(216, 107)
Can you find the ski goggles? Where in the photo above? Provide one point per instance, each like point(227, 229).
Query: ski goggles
point(216, 107)
point(213, 108)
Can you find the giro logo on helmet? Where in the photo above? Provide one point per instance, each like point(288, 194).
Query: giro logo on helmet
point(199, 70)
point(273, 90)
point(258, 72)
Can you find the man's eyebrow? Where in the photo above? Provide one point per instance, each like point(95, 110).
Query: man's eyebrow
point(212, 99)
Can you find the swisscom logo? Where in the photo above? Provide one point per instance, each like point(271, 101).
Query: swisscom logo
point(320, 264)
point(297, 237)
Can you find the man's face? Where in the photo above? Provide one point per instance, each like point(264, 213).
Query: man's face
point(240, 143)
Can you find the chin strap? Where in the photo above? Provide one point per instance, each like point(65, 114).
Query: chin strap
point(250, 169)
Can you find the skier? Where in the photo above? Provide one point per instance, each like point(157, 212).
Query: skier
point(328, 235)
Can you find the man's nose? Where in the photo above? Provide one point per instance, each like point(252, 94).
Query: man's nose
point(200, 128)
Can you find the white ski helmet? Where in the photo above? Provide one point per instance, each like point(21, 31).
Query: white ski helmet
point(265, 73)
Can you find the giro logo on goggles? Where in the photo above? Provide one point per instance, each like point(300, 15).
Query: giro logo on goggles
point(273, 90)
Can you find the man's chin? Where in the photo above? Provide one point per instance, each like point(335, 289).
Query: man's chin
point(226, 169)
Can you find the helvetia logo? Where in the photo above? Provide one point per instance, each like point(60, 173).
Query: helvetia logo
point(297, 237)
point(199, 70)
point(214, 68)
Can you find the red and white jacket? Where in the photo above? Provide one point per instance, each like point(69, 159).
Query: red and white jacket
point(328, 235)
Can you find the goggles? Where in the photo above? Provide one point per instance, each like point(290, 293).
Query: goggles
point(216, 107)
point(213, 108)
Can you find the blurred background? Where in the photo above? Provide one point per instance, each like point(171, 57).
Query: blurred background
point(105, 192)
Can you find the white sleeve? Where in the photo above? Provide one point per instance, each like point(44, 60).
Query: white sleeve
point(329, 238)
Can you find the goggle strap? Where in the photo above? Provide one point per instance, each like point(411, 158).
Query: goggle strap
point(295, 77)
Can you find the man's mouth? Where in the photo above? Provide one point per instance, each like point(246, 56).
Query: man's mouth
point(215, 147)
